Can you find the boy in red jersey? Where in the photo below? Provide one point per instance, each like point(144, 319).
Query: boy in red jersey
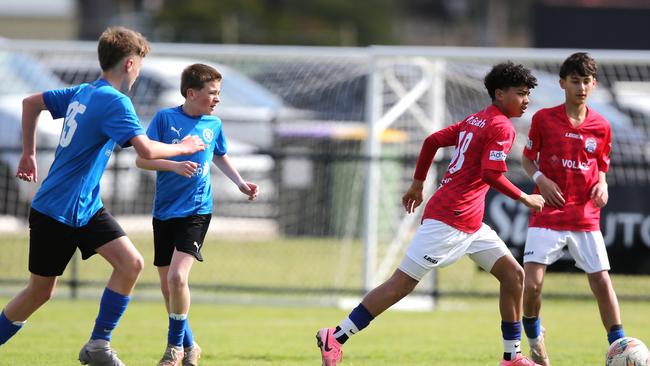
point(567, 155)
point(452, 222)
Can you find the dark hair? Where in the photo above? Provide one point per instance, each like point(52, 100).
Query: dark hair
point(118, 42)
point(580, 63)
point(507, 74)
point(195, 76)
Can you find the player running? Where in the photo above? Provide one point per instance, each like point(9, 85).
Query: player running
point(183, 200)
point(67, 212)
point(452, 222)
point(567, 155)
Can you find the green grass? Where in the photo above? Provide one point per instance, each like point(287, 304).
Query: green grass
point(458, 333)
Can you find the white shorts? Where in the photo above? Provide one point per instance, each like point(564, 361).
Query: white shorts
point(587, 248)
point(437, 244)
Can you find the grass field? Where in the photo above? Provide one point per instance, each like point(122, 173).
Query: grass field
point(458, 333)
point(461, 331)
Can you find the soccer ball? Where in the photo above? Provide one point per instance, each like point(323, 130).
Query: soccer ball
point(627, 351)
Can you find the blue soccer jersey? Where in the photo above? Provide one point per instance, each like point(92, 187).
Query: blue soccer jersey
point(178, 196)
point(96, 117)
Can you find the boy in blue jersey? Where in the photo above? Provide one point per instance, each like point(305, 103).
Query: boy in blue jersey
point(67, 212)
point(183, 200)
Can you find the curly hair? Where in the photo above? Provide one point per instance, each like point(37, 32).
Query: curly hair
point(580, 63)
point(118, 42)
point(507, 74)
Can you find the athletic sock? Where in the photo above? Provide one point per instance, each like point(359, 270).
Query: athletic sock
point(177, 323)
point(615, 332)
point(111, 308)
point(532, 327)
point(8, 328)
point(511, 339)
point(358, 319)
point(188, 337)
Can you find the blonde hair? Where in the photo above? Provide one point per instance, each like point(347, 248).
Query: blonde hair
point(118, 42)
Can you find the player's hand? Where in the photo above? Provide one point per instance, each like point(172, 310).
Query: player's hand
point(533, 201)
point(413, 197)
point(192, 144)
point(185, 168)
point(27, 169)
point(550, 191)
point(249, 189)
point(599, 194)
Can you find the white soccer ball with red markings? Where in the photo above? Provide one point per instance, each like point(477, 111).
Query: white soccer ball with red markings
point(628, 351)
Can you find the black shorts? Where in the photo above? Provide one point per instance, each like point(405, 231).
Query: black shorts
point(185, 234)
point(52, 243)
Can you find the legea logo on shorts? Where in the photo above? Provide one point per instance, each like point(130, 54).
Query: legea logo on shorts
point(498, 155)
point(429, 259)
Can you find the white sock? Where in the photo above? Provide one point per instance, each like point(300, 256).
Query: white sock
point(512, 347)
point(347, 327)
point(178, 316)
point(534, 341)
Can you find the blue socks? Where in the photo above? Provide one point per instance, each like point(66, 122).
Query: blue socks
point(532, 326)
point(188, 337)
point(615, 332)
point(511, 339)
point(111, 308)
point(358, 319)
point(8, 328)
point(177, 324)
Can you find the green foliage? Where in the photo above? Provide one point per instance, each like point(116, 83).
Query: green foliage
point(295, 22)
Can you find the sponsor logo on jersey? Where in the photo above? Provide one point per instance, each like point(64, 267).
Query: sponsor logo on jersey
point(572, 135)
point(530, 252)
point(178, 131)
point(208, 135)
point(498, 155)
point(590, 144)
point(575, 165)
point(176, 141)
point(475, 121)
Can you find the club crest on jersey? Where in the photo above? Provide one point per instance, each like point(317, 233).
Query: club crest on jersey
point(498, 155)
point(590, 144)
point(208, 135)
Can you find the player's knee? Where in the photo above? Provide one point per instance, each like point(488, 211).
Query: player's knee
point(137, 264)
point(176, 280)
point(532, 287)
point(515, 277)
point(42, 295)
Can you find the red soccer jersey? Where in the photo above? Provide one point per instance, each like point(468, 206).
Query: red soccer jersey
point(482, 141)
point(572, 158)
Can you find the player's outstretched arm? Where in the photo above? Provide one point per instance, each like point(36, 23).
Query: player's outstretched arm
point(184, 168)
point(498, 181)
point(32, 107)
point(548, 188)
point(151, 149)
point(223, 163)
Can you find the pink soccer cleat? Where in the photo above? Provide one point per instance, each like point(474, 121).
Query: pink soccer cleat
point(330, 348)
point(519, 360)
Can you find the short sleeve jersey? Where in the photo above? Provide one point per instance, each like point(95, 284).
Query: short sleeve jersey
point(482, 141)
point(572, 157)
point(178, 196)
point(96, 117)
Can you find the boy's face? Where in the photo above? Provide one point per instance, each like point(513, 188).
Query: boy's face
point(513, 100)
point(577, 88)
point(205, 99)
